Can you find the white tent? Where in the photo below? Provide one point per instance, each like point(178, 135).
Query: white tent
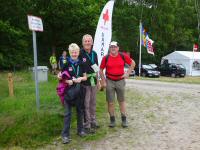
point(190, 60)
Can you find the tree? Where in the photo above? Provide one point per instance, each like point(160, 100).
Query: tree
point(65, 21)
point(170, 23)
point(14, 47)
point(197, 8)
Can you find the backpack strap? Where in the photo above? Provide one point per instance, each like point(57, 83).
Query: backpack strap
point(121, 54)
point(107, 59)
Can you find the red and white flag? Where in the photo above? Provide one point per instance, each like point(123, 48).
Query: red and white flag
point(103, 33)
point(149, 45)
point(195, 47)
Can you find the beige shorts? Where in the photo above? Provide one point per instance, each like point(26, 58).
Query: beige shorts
point(113, 87)
point(54, 66)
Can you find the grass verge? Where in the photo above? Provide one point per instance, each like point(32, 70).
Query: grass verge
point(187, 79)
point(22, 125)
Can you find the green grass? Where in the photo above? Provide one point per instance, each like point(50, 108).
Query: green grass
point(187, 79)
point(3, 86)
point(21, 124)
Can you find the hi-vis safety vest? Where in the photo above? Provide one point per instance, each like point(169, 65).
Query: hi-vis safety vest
point(53, 60)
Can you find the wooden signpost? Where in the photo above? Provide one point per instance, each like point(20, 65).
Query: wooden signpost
point(10, 84)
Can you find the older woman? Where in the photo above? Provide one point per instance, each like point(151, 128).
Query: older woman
point(77, 74)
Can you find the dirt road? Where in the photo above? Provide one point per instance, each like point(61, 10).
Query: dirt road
point(162, 116)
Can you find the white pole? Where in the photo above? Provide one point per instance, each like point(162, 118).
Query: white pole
point(192, 61)
point(36, 72)
point(140, 28)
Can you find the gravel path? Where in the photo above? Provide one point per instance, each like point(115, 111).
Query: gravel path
point(162, 116)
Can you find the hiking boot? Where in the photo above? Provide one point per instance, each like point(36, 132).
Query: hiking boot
point(124, 122)
point(82, 134)
point(89, 131)
point(65, 140)
point(95, 126)
point(112, 122)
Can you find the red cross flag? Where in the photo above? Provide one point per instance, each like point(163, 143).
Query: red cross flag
point(106, 17)
point(103, 33)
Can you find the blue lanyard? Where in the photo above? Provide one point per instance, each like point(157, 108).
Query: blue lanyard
point(91, 59)
point(76, 71)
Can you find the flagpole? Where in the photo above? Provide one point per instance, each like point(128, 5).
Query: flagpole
point(192, 61)
point(140, 28)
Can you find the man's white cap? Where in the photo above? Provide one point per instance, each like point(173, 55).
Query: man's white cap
point(113, 43)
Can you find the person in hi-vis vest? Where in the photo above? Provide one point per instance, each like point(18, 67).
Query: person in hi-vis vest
point(53, 63)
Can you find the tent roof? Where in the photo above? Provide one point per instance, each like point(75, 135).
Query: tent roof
point(183, 55)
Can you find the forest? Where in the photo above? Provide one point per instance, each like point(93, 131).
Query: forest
point(171, 24)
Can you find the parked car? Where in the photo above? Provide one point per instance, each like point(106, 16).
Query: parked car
point(154, 66)
point(148, 71)
point(173, 70)
point(126, 69)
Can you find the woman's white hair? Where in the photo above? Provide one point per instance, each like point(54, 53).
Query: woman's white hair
point(87, 36)
point(73, 47)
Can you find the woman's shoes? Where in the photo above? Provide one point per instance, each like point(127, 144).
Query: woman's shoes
point(65, 140)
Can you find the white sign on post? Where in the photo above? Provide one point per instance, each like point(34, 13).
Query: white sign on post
point(35, 23)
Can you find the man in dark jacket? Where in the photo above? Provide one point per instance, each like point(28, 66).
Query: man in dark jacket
point(90, 60)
